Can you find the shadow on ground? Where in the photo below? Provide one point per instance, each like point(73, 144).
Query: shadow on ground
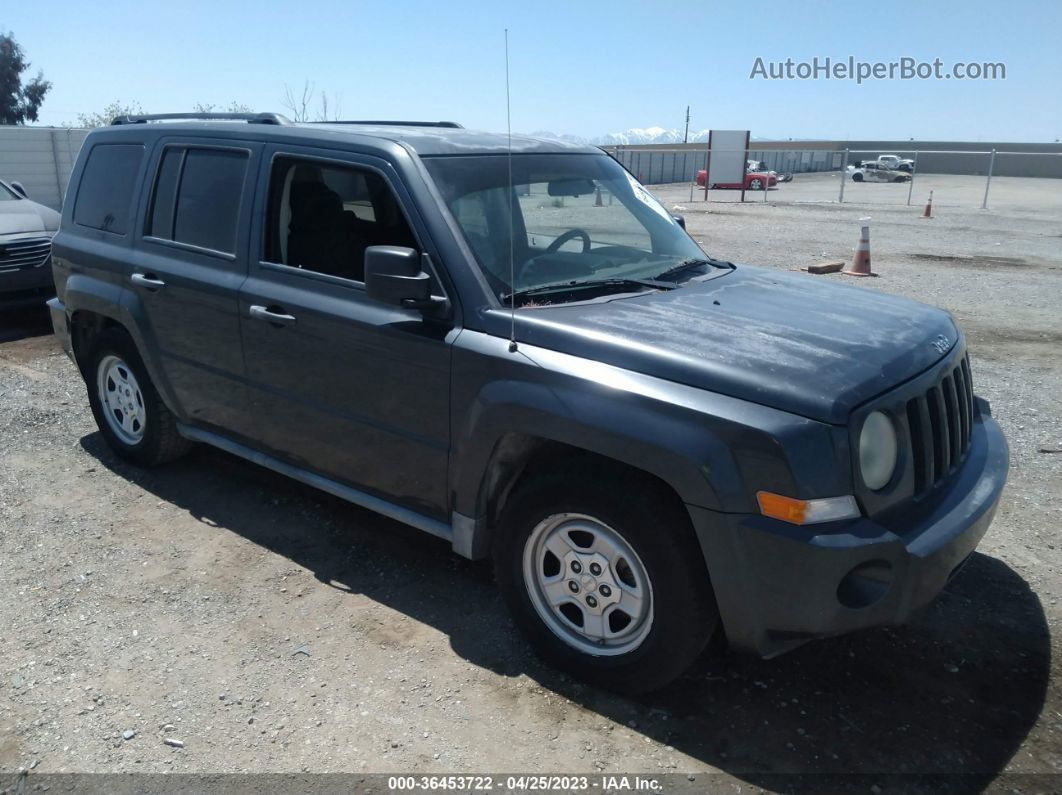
point(22, 323)
point(956, 692)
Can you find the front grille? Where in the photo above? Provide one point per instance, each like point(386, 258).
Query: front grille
point(19, 254)
point(940, 421)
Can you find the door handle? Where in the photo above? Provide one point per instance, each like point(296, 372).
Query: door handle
point(148, 282)
point(276, 318)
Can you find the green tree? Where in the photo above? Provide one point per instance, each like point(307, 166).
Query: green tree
point(19, 102)
point(232, 107)
point(108, 114)
point(118, 108)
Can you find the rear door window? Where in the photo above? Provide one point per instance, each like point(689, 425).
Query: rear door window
point(165, 196)
point(105, 193)
point(197, 197)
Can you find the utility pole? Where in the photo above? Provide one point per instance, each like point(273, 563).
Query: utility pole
point(686, 135)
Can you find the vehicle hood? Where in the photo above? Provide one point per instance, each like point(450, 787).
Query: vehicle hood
point(803, 344)
point(25, 217)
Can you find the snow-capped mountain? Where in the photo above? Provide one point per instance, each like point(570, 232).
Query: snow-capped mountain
point(572, 139)
point(635, 135)
point(650, 135)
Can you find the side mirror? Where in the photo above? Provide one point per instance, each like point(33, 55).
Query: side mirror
point(393, 275)
point(19, 189)
point(678, 219)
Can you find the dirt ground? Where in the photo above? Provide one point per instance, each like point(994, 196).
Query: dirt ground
point(271, 627)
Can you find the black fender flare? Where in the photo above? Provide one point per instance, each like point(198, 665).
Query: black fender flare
point(116, 303)
point(666, 442)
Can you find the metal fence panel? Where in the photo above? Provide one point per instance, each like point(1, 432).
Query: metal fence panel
point(41, 158)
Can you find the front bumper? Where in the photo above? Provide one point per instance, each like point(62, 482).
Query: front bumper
point(779, 585)
point(26, 288)
point(61, 326)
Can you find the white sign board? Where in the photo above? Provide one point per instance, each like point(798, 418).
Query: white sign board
point(727, 153)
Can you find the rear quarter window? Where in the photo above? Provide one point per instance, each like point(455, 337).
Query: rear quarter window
point(105, 193)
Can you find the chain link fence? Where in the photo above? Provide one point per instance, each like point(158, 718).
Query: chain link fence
point(955, 177)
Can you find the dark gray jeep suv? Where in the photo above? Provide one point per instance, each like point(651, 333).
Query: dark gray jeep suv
point(514, 347)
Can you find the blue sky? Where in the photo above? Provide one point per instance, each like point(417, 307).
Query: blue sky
point(581, 67)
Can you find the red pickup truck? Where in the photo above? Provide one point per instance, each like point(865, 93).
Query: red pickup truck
point(754, 180)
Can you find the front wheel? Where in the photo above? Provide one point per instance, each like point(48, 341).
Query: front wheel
point(857, 177)
point(128, 410)
point(755, 184)
point(605, 578)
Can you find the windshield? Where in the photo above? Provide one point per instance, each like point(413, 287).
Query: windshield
point(576, 219)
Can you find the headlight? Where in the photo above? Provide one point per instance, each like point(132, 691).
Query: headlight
point(877, 450)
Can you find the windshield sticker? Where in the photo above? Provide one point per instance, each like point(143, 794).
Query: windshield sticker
point(646, 198)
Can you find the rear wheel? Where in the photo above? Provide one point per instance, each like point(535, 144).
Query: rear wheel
point(603, 576)
point(857, 177)
point(128, 410)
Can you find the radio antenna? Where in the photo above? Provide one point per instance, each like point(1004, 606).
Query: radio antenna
point(512, 225)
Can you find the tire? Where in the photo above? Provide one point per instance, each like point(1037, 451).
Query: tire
point(656, 557)
point(899, 179)
point(857, 177)
point(755, 184)
point(134, 421)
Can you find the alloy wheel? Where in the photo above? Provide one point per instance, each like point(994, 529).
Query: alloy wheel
point(121, 399)
point(588, 585)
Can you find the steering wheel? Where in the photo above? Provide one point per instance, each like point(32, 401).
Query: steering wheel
point(571, 234)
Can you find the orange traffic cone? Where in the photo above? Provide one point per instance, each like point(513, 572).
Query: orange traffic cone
point(861, 262)
point(597, 197)
point(928, 211)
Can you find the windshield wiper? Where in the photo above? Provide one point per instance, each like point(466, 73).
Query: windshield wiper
point(578, 284)
point(696, 262)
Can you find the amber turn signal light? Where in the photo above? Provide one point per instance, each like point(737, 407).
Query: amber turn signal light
point(794, 511)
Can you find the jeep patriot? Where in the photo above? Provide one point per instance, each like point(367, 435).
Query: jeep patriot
point(513, 346)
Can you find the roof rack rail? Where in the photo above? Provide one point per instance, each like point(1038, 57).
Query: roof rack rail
point(383, 123)
point(250, 118)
